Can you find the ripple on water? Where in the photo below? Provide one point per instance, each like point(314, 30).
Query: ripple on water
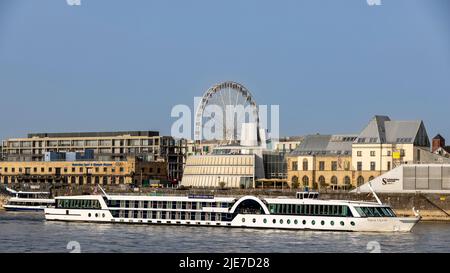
point(29, 232)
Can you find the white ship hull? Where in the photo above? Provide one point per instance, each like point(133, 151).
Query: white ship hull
point(281, 222)
point(266, 220)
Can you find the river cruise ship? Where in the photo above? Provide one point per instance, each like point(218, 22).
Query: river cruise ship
point(305, 212)
point(28, 201)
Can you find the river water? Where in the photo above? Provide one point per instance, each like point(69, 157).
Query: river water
point(29, 232)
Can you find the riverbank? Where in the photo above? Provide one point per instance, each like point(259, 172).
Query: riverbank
point(3, 199)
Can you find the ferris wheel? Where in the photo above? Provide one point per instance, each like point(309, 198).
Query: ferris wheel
point(222, 110)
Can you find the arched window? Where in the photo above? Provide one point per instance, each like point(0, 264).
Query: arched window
point(334, 180)
point(72, 180)
point(321, 180)
point(347, 180)
point(305, 181)
point(295, 179)
point(371, 178)
point(249, 207)
point(6, 180)
point(80, 180)
point(105, 180)
point(97, 180)
point(360, 180)
point(305, 164)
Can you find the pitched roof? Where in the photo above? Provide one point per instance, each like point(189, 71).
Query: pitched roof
point(325, 145)
point(438, 136)
point(381, 129)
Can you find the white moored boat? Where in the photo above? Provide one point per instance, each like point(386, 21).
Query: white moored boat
point(28, 201)
point(306, 212)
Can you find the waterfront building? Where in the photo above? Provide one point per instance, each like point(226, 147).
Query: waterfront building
point(412, 178)
point(346, 161)
point(438, 146)
point(288, 144)
point(132, 170)
point(322, 161)
point(107, 146)
point(385, 144)
point(229, 166)
point(203, 147)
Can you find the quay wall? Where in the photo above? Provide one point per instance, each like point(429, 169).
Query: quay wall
point(3, 199)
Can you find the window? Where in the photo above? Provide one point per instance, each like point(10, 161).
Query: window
point(372, 166)
point(389, 165)
point(360, 180)
point(347, 181)
point(321, 180)
point(334, 180)
point(305, 164)
point(372, 153)
point(359, 153)
point(305, 181)
point(334, 165)
point(359, 166)
point(294, 165)
point(321, 165)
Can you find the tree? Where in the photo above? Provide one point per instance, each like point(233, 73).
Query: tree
point(222, 185)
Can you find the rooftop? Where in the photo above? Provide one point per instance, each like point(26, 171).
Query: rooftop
point(325, 145)
point(383, 130)
point(95, 134)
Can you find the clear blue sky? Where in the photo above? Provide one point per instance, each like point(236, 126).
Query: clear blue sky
point(122, 65)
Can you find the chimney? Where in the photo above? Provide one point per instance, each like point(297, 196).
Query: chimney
point(438, 142)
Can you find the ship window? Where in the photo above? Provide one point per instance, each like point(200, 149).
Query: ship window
point(304, 222)
point(265, 221)
point(332, 223)
point(360, 211)
point(322, 223)
point(288, 221)
point(274, 221)
point(342, 223)
point(296, 222)
point(281, 221)
point(313, 222)
point(254, 220)
point(352, 223)
point(272, 208)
